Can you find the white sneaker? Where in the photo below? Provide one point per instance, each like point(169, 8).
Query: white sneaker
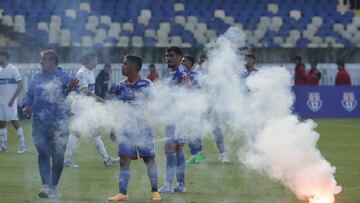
point(166, 188)
point(53, 192)
point(44, 193)
point(223, 158)
point(22, 149)
point(180, 187)
point(3, 149)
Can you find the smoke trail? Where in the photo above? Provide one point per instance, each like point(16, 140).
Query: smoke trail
point(280, 146)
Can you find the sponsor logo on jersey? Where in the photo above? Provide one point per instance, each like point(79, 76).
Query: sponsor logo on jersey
point(7, 81)
point(349, 102)
point(314, 101)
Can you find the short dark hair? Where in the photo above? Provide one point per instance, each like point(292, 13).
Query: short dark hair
point(340, 63)
point(5, 54)
point(250, 56)
point(52, 55)
point(151, 65)
point(88, 57)
point(175, 49)
point(135, 59)
point(191, 59)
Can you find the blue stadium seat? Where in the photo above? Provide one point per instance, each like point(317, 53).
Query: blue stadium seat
point(247, 13)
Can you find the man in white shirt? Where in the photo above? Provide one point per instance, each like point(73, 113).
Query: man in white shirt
point(11, 85)
point(84, 119)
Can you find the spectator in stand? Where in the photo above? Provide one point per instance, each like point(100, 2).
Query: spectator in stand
point(300, 73)
point(153, 75)
point(342, 76)
point(314, 75)
point(102, 81)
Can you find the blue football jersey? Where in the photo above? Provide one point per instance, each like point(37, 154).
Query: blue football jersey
point(194, 79)
point(175, 77)
point(131, 92)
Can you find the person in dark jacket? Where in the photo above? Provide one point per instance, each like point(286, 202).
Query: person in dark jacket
point(314, 75)
point(300, 77)
point(342, 76)
point(102, 81)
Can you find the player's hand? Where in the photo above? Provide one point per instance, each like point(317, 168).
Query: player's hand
point(73, 84)
point(112, 135)
point(26, 110)
point(11, 102)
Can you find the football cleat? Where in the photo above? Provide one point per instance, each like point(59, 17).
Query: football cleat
point(166, 188)
point(3, 149)
point(22, 149)
point(223, 158)
point(196, 159)
point(119, 197)
point(110, 161)
point(155, 196)
point(70, 164)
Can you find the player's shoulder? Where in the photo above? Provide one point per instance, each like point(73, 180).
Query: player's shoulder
point(144, 81)
point(83, 73)
point(12, 67)
point(182, 68)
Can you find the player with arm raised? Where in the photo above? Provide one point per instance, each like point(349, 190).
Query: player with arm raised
point(46, 100)
point(84, 117)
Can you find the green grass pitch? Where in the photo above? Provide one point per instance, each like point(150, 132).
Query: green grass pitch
point(208, 182)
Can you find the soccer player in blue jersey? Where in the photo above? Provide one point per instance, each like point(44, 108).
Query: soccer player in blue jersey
point(136, 138)
point(84, 115)
point(175, 159)
point(46, 100)
point(195, 144)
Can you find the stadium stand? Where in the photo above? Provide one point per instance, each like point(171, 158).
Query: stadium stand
point(187, 23)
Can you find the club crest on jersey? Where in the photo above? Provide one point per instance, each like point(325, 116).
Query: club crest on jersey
point(314, 101)
point(348, 102)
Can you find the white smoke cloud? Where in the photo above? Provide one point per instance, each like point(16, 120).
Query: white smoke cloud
point(259, 108)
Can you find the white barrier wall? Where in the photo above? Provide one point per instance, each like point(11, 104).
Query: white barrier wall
point(328, 71)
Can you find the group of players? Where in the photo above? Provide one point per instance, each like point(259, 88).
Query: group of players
point(46, 101)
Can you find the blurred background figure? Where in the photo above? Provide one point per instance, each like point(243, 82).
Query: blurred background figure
point(342, 76)
point(102, 81)
point(153, 75)
point(300, 73)
point(249, 66)
point(202, 58)
point(314, 75)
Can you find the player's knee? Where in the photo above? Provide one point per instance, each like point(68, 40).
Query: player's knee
point(179, 148)
point(125, 162)
point(149, 160)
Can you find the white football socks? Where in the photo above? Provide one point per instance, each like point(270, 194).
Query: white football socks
point(101, 147)
point(70, 147)
point(3, 132)
point(20, 134)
